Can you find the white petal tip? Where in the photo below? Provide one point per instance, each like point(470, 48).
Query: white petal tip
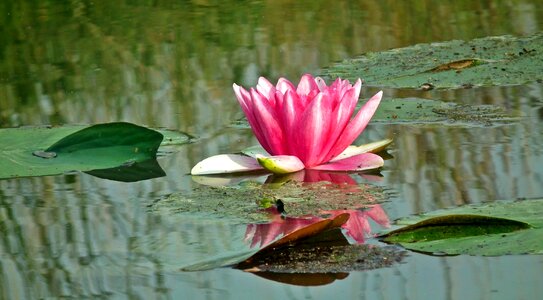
point(224, 164)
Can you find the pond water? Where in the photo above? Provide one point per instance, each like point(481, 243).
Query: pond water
point(171, 64)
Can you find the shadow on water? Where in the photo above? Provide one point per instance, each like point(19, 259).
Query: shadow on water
point(172, 65)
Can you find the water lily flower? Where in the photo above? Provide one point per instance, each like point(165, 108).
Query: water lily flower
point(309, 126)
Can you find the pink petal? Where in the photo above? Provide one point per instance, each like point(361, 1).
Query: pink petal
point(265, 87)
point(357, 86)
point(356, 125)
point(283, 85)
point(246, 103)
point(321, 84)
point(306, 85)
point(360, 162)
point(281, 164)
point(291, 113)
point(313, 133)
point(268, 121)
point(225, 163)
point(342, 116)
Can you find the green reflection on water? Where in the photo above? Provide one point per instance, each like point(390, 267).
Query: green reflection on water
point(163, 63)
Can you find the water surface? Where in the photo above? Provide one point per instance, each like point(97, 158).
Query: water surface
point(172, 64)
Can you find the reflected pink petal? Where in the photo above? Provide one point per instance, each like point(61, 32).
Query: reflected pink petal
point(357, 227)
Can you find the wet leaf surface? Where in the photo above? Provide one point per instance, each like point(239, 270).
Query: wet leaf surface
point(40, 151)
point(453, 226)
point(494, 229)
point(501, 60)
point(426, 111)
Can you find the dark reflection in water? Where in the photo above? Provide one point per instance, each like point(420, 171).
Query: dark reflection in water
point(172, 64)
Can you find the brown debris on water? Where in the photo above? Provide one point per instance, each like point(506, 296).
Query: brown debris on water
point(325, 259)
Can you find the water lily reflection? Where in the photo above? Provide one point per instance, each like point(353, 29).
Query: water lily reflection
point(357, 228)
point(309, 126)
point(307, 176)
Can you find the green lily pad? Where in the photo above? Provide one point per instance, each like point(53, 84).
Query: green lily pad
point(424, 111)
point(497, 228)
point(502, 60)
point(50, 151)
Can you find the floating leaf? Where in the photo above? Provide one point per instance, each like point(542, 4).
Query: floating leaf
point(33, 151)
point(502, 60)
point(123, 142)
point(240, 203)
point(174, 137)
point(493, 229)
point(424, 111)
point(453, 226)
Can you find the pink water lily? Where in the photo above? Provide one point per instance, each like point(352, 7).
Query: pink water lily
point(309, 126)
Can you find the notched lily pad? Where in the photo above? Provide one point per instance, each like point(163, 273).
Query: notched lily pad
point(117, 138)
point(41, 151)
point(493, 229)
point(490, 61)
